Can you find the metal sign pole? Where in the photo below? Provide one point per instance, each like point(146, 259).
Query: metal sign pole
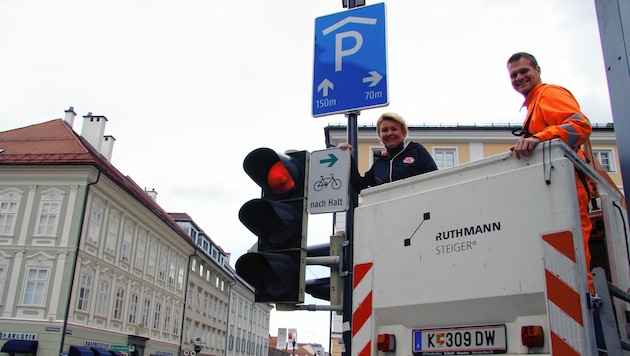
point(353, 134)
point(349, 250)
point(613, 18)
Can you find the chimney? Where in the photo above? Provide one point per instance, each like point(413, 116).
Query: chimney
point(107, 146)
point(93, 129)
point(70, 115)
point(152, 193)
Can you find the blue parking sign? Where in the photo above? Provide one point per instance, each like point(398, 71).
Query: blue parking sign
point(350, 68)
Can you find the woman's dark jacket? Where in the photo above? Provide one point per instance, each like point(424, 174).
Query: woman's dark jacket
point(394, 164)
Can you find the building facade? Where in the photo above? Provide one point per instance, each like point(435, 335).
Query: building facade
point(90, 264)
point(221, 315)
point(453, 145)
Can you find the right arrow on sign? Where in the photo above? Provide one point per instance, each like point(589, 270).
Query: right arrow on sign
point(331, 160)
point(373, 79)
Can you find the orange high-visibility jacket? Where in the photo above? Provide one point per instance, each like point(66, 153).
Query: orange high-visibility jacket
point(556, 114)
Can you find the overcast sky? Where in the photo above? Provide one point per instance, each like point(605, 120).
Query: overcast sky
point(190, 87)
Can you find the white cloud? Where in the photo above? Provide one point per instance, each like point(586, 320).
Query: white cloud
point(191, 87)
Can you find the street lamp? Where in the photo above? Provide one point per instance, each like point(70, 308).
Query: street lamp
point(357, 3)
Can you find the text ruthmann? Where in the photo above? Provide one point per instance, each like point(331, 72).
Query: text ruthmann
point(468, 231)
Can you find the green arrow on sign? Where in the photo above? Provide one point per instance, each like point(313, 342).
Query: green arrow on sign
point(332, 160)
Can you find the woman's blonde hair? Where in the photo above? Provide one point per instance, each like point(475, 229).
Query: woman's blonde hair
point(393, 117)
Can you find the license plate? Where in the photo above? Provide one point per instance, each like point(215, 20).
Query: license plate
point(471, 340)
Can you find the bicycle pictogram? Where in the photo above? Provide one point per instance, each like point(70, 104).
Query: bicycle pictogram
point(325, 182)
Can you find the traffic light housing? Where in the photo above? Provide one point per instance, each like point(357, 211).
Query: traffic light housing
point(279, 219)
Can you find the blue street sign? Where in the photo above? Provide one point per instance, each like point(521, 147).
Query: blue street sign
point(350, 71)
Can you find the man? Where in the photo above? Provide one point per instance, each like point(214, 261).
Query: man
point(552, 112)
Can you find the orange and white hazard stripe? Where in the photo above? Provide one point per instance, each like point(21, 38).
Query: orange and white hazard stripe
point(564, 300)
point(362, 309)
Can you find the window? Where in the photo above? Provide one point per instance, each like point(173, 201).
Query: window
point(162, 270)
point(167, 319)
point(84, 293)
point(605, 158)
point(140, 250)
point(102, 298)
point(48, 217)
point(112, 232)
point(49, 211)
point(96, 220)
point(152, 258)
point(35, 287)
point(133, 308)
point(146, 309)
point(8, 213)
point(171, 272)
point(156, 316)
point(180, 276)
point(9, 204)
point(445, 157)
point(376, 152)
point(2, 269)
point(119, 303)
point(176, 323)
point(125, 251)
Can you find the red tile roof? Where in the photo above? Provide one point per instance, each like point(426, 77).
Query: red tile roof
point(51, 142)
point(55, 143)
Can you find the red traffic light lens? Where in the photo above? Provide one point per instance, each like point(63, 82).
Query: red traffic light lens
point(279, 179)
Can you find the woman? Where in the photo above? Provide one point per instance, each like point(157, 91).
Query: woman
point(398, 161)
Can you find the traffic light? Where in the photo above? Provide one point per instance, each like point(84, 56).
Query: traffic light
point(327, 288)
point(279, 219)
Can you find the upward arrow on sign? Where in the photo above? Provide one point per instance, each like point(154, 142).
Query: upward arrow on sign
point(331, 160)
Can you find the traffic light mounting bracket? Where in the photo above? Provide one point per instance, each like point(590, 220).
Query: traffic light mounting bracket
point(333, 260)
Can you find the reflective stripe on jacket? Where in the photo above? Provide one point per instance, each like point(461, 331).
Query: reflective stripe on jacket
point(556, 115)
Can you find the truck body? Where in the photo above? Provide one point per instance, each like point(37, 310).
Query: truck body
point(486, 257)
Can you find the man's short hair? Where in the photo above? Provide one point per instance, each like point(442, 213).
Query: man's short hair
point(518, 55)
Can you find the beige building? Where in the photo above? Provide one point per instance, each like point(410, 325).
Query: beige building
point(453, 145)
point(90, 264)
